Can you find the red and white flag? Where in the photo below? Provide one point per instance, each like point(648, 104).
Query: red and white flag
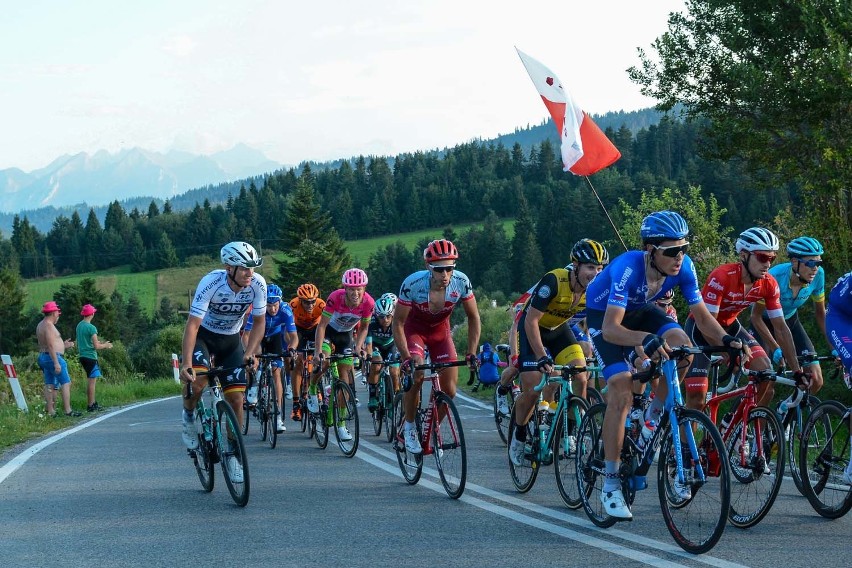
point(585, 148)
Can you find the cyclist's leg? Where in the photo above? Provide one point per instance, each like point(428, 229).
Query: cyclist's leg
point(417, 349)
point(441, 348)
point(804, 345)
point(229, 353)
point(569, 352)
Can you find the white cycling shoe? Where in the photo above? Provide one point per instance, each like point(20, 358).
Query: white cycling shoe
point(615, 505)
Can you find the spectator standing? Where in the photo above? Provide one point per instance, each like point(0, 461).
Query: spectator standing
point(87, 347)
point(51, 360)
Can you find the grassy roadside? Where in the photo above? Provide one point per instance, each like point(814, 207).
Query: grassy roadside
point(17, 427)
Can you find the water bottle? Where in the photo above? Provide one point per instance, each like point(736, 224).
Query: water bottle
point(634, 419)
point(647, 432)
point(516, 391)
point(551, 409)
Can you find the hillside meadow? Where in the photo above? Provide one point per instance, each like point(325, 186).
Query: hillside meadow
point(178, 284)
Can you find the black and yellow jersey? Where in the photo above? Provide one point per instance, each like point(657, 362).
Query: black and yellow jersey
point(555, 299)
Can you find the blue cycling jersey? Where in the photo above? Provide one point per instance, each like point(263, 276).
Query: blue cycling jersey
point(789, 304)
point(282, 321)
point(840, 298)
point(623, 283)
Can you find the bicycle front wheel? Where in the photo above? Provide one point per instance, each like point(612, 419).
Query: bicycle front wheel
point(411, 465)
point(757, 467)
point(567, 424)
point(794, 423)
point(697, 510)
point(590, 466)
point(232, 453)
point(203, 456)
point(448, 446)
point(823, 457)
point(272, 419)
point(523, 476)
point(387, 407)
point(378, 415)
point(345, 414)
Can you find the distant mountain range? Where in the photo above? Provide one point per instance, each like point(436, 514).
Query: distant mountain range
point(103, 177)
point(136, 177)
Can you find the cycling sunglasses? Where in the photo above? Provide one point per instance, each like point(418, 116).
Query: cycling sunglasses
point(448, 268)
point(811, 263)
point(674, 250)
point(763, 257)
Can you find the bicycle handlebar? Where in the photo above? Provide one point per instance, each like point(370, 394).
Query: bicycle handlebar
point(566, 373)
point(434, 366)
point(212, 373)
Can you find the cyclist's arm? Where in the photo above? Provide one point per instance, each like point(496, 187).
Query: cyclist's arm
point(757, 311)
point(399, 317)
point(190, 334)
point(614, 332)
point(785, 340)
point(533, 331)
point(255, 336)
point(319, 334)
point(292, 339)
point(362, 335)
point(707, 324)
point(474, 325)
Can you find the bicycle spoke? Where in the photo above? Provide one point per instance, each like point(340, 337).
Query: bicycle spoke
point(823, 457)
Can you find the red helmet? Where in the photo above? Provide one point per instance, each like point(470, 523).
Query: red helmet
point(442, 249)
point(354, 277)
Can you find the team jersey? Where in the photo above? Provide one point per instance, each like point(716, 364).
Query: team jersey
point(840, 298)
point(220, 308)
point(725, 296)
point(623, 284)
point(815, 290)
point(282, 321)
point(414, 293)
point(554, 298)
point(379, 336)
point(305, 319)
point(344, 318)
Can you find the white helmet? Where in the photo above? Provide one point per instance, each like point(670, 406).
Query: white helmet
point(384, 307)
point(757, 238)
point(390, 295)
point(242, 254)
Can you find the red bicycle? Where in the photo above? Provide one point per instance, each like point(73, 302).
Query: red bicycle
point(442, 436)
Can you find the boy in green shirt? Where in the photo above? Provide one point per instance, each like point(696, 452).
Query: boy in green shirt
point(87, 346)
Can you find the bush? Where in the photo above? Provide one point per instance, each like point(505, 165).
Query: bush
point(495, 325)
point(152, 355)
point(116, 363)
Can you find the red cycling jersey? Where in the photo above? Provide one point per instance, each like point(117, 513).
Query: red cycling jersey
point(725, 296)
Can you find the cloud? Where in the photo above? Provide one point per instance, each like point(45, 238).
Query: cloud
point(180, 46)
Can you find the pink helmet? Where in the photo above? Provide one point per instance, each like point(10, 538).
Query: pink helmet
point(354, 277)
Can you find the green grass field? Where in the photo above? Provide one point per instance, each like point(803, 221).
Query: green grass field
point(178, 284)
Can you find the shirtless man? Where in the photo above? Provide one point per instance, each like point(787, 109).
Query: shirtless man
point(51, 347)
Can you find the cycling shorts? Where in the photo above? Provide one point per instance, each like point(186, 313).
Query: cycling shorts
point(305, 335)
point(273, 344)
point(337, 342)
point(614, 358)
point(696, 377)
point(560, 341)
point(225, 351)
point(438, 340)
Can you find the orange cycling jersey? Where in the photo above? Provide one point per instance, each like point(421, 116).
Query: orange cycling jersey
point(303, 318)
point(725, 295)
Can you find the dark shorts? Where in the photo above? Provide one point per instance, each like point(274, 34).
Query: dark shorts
point(696, 377)
point(305, 336)
point(93, 370)
point(561, 343)
point(224, 351)
point(273, 344)
point(336, 341)
point(803, 343)
point(386, 353)
point(51, 378)
point(612, 358)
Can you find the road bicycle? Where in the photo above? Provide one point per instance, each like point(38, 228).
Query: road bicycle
point(307, 355)
point(551, 438)
point(337, 408)
point(439, 429)
point(693, 474)
point(824, 456)
point(219, 439)
point(755, 444)
point(266, 410)
point(383, 414)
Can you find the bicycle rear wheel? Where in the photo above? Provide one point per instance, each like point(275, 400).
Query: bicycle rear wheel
point(523, 476)
point(202, 457)
point(232, 453)
point(697, 521)
point(757, 468)
point(263, 405)
point(411, 465)
point(503, 420)
point(567, 424)
point(593, 396)
point(378, 415)
point(246, 413)
point(794, 424)
point(272, 419)
point(448, 446)
point(590, 466)
point(823, 457)
point(345, 414)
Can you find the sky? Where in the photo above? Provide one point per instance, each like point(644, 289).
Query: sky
point(302, 80)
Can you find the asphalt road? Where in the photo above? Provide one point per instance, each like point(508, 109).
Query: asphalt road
point(120, 490)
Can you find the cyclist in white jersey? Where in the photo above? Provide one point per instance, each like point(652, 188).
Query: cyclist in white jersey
point(213, 331)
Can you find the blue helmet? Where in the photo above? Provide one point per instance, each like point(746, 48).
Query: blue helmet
point(273, 294)
point(804, 246)
point(663, 225)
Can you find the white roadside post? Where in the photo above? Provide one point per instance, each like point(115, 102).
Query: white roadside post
point(15, 384)
point(175, 368)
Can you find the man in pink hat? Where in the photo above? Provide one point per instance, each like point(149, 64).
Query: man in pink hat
point(87, 347)
point(50, 358)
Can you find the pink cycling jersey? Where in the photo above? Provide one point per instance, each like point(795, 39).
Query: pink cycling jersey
point(344, 318)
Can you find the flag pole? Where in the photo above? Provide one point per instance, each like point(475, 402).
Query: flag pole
point(617, 234)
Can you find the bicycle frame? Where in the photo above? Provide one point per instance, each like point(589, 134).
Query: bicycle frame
point(432, 406)
point(566, 393)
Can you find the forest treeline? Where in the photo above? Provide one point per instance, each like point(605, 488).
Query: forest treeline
point(419, 190)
